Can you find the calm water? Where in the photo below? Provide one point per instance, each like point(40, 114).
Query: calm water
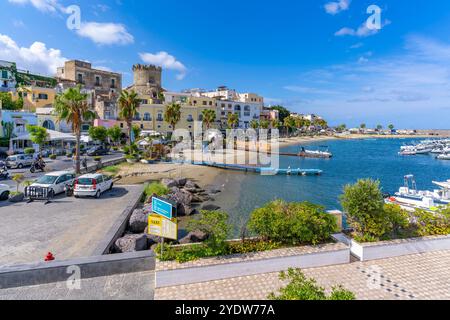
point(353, 159)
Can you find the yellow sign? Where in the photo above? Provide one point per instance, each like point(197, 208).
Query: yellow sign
point(162, 227)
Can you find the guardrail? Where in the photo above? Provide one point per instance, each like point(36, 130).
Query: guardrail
point(39, 193)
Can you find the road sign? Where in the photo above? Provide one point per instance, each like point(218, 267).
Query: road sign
point(162, 227)
point(163, 208)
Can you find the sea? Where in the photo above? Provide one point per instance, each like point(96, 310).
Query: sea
point(352, 160)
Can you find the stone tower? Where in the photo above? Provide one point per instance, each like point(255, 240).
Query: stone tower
point(147, 80)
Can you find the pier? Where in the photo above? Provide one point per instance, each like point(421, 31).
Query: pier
point(263, 170)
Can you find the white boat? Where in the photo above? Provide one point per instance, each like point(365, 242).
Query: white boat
point(409, 198)
point(445, 185)
point(443, 157)
point(314, 153)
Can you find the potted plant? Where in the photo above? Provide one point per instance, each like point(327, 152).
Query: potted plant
point(17, 196)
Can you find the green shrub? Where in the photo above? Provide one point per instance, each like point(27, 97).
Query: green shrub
point(250, 246)
point(97, 159)
point(215, 225)
point(29, 151)
point(156, 188)
point(4, 143)
point(115, 148)
point(53, 157)
point(301, 288)
point(433, 224)
point(114, 170)
point(69, 155)
point(364, 205)
point(293, 223)
point(126, 150)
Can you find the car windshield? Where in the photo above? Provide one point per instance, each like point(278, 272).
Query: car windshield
point(11, 159)
point(47, 179)
point(85, 182)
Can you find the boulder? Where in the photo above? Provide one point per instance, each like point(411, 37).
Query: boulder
point(138, 221)
point(169, 183)
point(181, 182)
point(181, 197)
point(131, 243)
point(210, 207)
point(194, 237)
point(184, 210)
point(214, 190)
point(191, 185)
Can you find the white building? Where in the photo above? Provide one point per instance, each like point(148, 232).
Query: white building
point(246, 112)
point(7, 78)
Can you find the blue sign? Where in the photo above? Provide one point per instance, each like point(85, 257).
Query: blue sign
point(162, 207)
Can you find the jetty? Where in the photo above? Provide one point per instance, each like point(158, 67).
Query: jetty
point(263, 170)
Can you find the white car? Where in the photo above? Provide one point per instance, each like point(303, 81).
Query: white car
point(92, 185)
point(19, 161)
point(4, 192)
point(56, 181)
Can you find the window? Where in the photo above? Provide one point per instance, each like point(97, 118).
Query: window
point(200, 117)
point(205, 103)
point(190, 118)
point(113, 83)
point(4, 74)
point(137, 117)
point(97, 81)
point(247, 108)
point(80, 78)
point(142, 126)
point(121, 125)
point(237, 108)
point(160, 117)
point(147, 117)
point(43, 96)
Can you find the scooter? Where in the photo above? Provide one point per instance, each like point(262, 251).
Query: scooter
point(4, 174)
point(37, 166)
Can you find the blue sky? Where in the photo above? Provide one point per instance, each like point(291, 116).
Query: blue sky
point(310, 55)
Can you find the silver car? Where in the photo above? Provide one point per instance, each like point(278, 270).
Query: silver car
point(19, 161)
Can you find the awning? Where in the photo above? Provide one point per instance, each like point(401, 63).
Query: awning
point(52, 136)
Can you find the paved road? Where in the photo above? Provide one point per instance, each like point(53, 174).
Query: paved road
point(132, 286)
point(60, 164)
point(68, 227)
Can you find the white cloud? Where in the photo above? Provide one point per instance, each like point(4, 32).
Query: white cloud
point(41, 5)
point(105, 33)
point(37, 58)
point(411, 89)
point(361, 32)
point(165, 60)
point(334, 8)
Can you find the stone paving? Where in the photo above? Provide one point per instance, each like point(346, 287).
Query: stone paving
point(132, 286)
point(414, 277)
point(67, 227)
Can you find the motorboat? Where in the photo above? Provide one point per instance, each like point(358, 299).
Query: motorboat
point(314, 153)
point(443, 157)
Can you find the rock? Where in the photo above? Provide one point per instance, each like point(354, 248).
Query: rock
point(214, 190)
point(210, 207)
point(181, 182)
point(184, 210)
point(169, 183)
point(181, 197)
point(131, 243)
point(191, 185)
point(196, 198)
point(194, 237)
point(138, 221)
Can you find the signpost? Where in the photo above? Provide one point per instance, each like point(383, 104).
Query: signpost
point(162, 223)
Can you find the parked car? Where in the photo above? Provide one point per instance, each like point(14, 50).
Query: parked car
point(4, 192)
point(19, 161)
point(92, 185)
point(82, 151)
point(56, 181)
point(97, 151)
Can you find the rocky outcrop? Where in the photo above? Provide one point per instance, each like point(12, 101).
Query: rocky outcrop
point(169, 183)
point(194, 237)
point(138, 221)
point(131, 243)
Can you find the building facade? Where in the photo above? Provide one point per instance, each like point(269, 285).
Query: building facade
point(105, 86)
point(8, 80)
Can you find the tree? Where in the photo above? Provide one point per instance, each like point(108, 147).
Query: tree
point(321, 123)
point(289, 123)
point(301, 288)
point(363, 126)
point(7, 103)
point(38, 135)
point(391, 127)
point(379, 127)
point(72, 107)
point(128, 105)
point(98, 133)
point(364, 204)
point(275, 124)
point(172, 115)
point(264, 124)
point(283, 112)
point(115, 133)
point(233, 120)
point(136, 131)
point(254, 124)
point(209, 117)
point(8, 129)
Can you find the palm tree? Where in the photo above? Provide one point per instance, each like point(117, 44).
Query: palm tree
point(128, 104)
point(254, 124)
point(209, 117)
point(233, 120)
point(265, 124)
point(391, 127)
point(289, 123)
point(172, 115)
point(275, 124)
point(72, 107)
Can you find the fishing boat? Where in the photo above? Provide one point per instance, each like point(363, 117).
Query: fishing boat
point(409, 198)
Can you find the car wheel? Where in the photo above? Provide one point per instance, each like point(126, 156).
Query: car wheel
point(20, 166)
point(98, 194)
point(4, 196)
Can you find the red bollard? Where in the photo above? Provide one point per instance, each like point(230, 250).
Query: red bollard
point(49, 257)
